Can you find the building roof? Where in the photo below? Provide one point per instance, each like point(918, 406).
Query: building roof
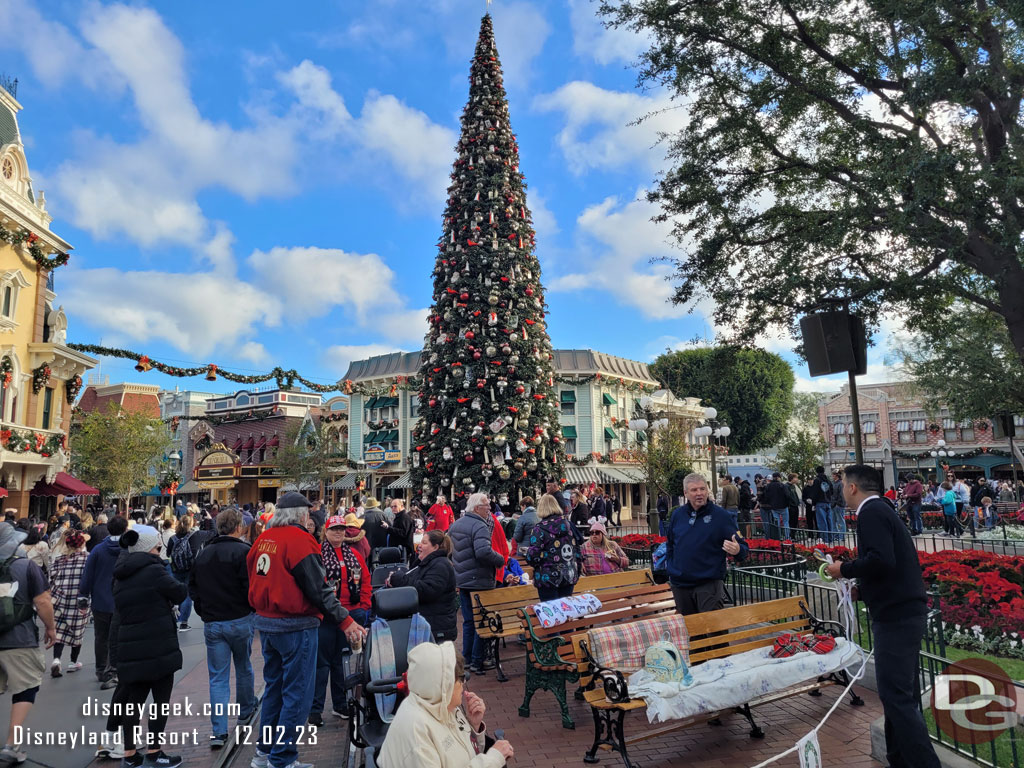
point(133, 398)
point(566, 362)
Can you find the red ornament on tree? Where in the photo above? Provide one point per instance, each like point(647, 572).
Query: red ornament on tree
point(528, 291)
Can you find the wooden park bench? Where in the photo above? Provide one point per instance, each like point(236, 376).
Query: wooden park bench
point(550, 662)
point(496, 611)
point(747, 627)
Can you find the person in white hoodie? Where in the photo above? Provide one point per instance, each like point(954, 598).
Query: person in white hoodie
point(430, 729)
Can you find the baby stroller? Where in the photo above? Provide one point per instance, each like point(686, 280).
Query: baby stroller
point(386, 560)
point(368, 726)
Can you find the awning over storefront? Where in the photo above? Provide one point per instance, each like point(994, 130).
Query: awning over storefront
point(619, 475)
point(154, 491)
point(568, 396)
point(274, 442)
point(237, 445)
point(405, 481)
point(247, 446)
point(260, 443)
point(3, 493)
point(371, 437)
point(305, 485)
point(391, 436)
point(608, 399)
point(189, 486)
point(582, 475)
point(387, 402)
point(346, 483)
point(569, 432)
point(63, 485)
point(609, 434)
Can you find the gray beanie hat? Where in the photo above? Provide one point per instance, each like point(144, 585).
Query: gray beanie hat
point(140, 538)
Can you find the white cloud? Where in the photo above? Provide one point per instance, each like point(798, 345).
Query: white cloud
point(591, 38)
point(543, 219)
point(418, 151)
point(520, 31)
point(310, 282)
point(877, 373)
point(598, 133)
point(338, 357)
point(209, 312)
point(253, 351)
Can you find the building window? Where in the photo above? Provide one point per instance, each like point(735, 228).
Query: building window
point(842, 440)
point(47, 406)
point(8, 294)
point(265, 399)
point(949, 435)
point(242, 400)
point(568, 409)
point(414, 406)
point(570, 446)
point(905, 437)
point(871, 439)
point(967, 434)
point(920, 436)
point(220, 405)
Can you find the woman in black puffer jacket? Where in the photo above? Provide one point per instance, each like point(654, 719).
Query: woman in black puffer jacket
point(147, 640)
point(434, 579)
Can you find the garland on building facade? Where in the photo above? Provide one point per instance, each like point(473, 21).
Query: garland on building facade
point(284, 379)
point(72, 387)
point(27, 441)
point(973, 453)
point(18, 237)
point(629, 386)
point(40, 378)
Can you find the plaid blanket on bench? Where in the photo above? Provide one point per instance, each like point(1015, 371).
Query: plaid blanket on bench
point(622, 646)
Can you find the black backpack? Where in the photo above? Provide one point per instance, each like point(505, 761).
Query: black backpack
point(183, 558)
point(12, 611)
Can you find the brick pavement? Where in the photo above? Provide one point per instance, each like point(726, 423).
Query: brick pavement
point(541, 742)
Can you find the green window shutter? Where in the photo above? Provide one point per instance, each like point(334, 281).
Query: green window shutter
point(608, 399)
point(569, 432)
point(568, 396)
point(609, 433)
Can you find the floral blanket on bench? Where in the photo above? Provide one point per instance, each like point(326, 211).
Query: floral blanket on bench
point(720, 684)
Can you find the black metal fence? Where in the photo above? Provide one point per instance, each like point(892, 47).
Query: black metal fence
point(747, 585)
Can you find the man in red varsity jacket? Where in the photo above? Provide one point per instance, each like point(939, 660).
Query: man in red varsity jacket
point(289, 593)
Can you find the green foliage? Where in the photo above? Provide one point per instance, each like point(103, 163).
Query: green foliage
point(805, 407)
point(751, 389)
point(964, 360)
point(834, 151)
point(666, 454)
point(487, 404)
point(305, 454)
point(800, 452)
point(114, 451)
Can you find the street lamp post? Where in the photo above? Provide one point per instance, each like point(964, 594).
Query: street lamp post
point(713, 430)
point(939, 454)
point(654, 421)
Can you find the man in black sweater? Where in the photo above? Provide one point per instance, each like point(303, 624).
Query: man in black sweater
point(889, 580)
point(775, 509)
point(219, 586)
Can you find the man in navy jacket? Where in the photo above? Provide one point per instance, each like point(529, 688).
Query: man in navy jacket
point(98, 583)
point(700, 534)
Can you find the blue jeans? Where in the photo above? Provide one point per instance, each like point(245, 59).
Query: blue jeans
point(473, 647)
point(823, 514)
point(768, 524)
point(331, 646)
point(227, 640)
point(780, 522)
point(914, 513)
point(289, 667)
point(185, 609)
point(838, 524)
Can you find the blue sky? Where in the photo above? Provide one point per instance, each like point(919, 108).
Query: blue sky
point(254, 187)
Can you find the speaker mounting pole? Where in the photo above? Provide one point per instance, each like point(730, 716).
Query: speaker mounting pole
point(855, 408)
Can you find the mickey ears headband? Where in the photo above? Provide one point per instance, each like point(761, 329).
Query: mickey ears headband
point(128, 538)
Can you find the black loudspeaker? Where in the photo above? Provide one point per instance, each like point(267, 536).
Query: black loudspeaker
point(834, 342)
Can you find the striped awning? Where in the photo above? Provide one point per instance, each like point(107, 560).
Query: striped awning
point(839, 428)
point(918, 425)
point(869, 427)
point(582, 475)
point(949, 423)
point(346, 483)
point(619, 475)
point(305, 485)
point(405, 481)
point(903, 426)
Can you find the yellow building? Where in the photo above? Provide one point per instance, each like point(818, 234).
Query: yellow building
point(39, 375)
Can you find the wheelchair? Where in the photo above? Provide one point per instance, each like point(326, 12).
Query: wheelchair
point(386, 560)
point(367, 728)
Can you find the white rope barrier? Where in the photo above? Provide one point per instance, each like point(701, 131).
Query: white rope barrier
point(848, 614)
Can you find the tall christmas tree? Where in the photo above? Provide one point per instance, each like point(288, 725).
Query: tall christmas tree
point(488, 415)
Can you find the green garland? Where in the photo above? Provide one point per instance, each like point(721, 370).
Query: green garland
point(965, 455)
point(22, 441)
point(630, 386)
point(23, 236)
point(72, 387)
point(285, 379)
point(40, 378)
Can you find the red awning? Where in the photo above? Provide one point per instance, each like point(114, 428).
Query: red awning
point(274, 442)
point(3, 493)
point(260, 443)
point(249, 444)
point(63, 485)
point(237, 445)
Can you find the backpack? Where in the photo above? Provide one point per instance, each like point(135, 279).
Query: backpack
point(183, 558)
point(665, 663)
point(12, 611)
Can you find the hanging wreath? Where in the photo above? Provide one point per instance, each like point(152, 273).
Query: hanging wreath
point(6, 372)
point(40, 377)
point(72, 387)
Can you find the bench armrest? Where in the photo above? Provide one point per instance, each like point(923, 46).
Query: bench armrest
point(488, 619)
point(824, 626)
point(616, 690)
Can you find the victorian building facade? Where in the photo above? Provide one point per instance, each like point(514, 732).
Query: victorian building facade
point(40, 377)
point(598, 395)
point(899, 434)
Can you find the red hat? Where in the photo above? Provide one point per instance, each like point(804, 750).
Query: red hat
point(336, 521)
